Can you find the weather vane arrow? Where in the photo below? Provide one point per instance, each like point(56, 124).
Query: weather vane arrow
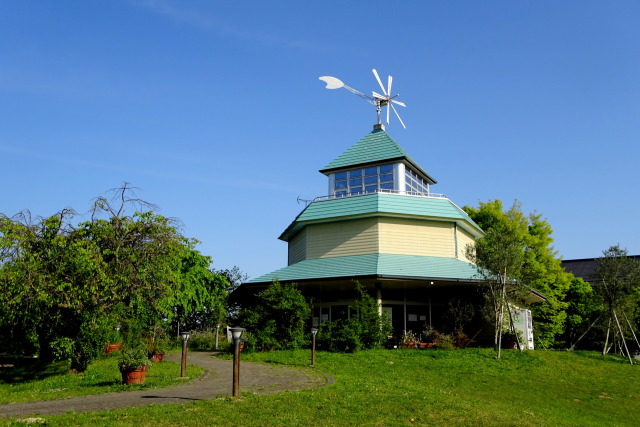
point(376, 99)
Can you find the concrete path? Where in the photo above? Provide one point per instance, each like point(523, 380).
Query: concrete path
point(215, 381)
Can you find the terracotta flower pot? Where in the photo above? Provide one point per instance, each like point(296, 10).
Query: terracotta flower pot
point(135, 376)
point(157, 357)
point(110, 348)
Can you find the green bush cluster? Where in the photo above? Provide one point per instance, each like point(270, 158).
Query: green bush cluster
point(365, 330)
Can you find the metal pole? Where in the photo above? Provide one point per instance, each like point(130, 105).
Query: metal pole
point(183, 369)
point(313, 348)
point(217, 334)
point(236, 367)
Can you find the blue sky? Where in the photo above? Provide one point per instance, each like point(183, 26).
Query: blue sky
point(215, 112)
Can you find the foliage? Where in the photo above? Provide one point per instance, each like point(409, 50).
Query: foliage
point(499, 257)
point(617, 285)
point(539, 266)
point(206, 340)
point(278, 318)
point(342, 335)
point(64, 282)
point(583, 308)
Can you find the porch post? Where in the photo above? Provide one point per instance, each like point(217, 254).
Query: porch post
point(404, 306)
point(379, 297)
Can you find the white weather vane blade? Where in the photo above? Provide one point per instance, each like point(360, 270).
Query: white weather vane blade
point(376, 99)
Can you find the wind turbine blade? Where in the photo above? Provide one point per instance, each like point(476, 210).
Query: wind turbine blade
point(332, 82)
point(377, 95)
point(389, 85)
point(388, 113)
point(375, 73)
point(397, 115)
point(402, 104)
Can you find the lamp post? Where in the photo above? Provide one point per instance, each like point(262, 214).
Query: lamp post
point(314, 331)
point(236, 333)
point(183, 368)
point(217, 334)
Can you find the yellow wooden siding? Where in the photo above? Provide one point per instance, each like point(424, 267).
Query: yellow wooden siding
point(404, 236)
point(464, 239)
point(298, 247)
point(343, 238)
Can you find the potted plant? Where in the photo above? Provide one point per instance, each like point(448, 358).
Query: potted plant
point(409, 339)
point(156, 342)
point(113, 341)
point(133, 364)
point(430, 336)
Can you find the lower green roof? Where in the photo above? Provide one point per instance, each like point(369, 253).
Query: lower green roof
point(383, 265)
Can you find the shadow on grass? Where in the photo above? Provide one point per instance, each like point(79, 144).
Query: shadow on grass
point(29, 369)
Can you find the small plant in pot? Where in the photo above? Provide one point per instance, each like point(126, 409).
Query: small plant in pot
point(133, 364)
point(156, 342)
point(410, 340)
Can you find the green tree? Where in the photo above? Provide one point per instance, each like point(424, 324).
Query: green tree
point(65, 286)
point(617, 284)
point(499, 257)
point(540, 268)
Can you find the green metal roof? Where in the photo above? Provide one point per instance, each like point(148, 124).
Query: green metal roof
point(383, 204)
point(381, 265)
point(375, 147)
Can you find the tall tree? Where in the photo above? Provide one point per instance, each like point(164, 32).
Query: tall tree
point(540, 269)
point(64, 286)
point(499, 257)
point(617, 284)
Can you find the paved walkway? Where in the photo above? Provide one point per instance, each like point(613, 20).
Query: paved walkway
point(215, 381)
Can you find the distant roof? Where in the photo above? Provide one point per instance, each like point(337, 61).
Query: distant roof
point(437, 208)
point(379, 265)
point(376, 147)
point(585, 268)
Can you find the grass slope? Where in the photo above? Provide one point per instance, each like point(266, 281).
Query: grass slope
point(420, 387)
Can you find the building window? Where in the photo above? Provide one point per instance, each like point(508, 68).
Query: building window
point(363, 181)
point(414, 184)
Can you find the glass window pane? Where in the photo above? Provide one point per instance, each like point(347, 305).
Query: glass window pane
point(341, 184)
point(355, 173)
point(407, 180)
point(387, 186)
point(386, 168)
point(341, 175)
point(371, 179)
point(386, 177)
point(371, 171)
point(356, 190)
point(371, 188)
point(341, 193)
point(355, 181)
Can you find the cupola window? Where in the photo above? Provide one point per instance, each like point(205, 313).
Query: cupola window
point(363, 181)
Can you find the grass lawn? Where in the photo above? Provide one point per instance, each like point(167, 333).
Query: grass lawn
point(420, 387)
point(35, 380)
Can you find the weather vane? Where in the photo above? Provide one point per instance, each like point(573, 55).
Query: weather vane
point(376, 99)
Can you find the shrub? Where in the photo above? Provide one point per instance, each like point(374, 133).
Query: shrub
point(340, 335)
point(278, 318)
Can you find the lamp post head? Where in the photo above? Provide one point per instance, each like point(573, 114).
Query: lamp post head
point(237, 333)
point(185, 336)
